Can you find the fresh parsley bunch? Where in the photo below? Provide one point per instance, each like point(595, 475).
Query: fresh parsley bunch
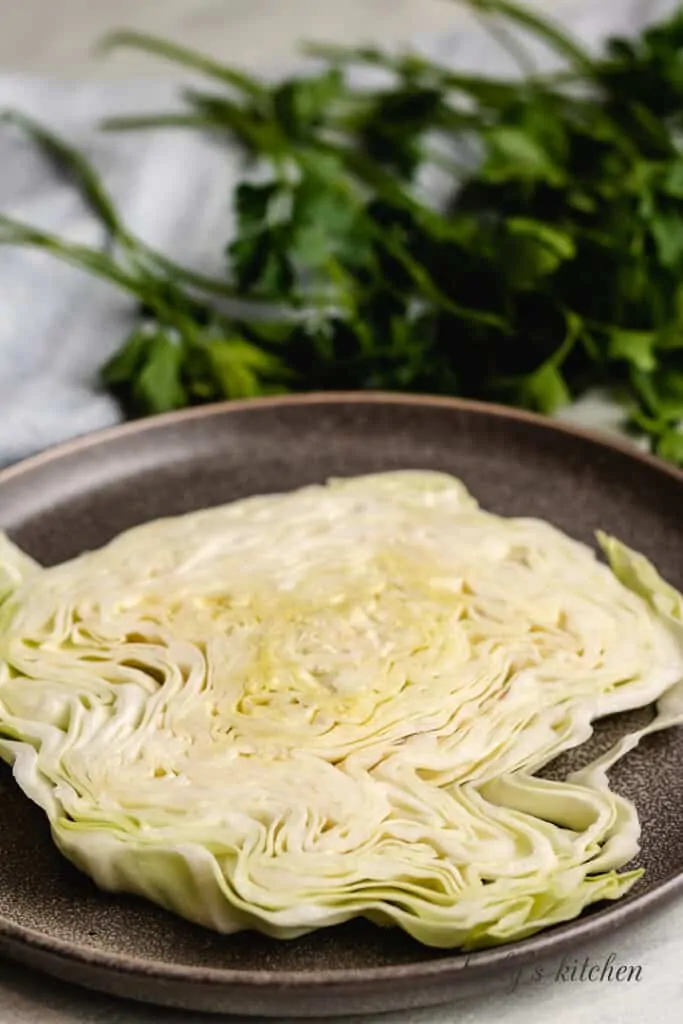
point(554, 264)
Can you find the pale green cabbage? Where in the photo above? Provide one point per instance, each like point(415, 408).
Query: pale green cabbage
point(299, 709)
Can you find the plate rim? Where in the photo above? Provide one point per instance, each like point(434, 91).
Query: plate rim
point(104, 435)
point(453, 962)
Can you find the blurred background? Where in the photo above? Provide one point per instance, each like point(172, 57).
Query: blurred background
point(56, 36)
point(51, 351)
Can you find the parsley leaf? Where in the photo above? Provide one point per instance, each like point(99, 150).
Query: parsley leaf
point(551, 263)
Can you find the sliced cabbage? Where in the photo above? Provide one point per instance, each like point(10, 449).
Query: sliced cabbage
point(298, 709)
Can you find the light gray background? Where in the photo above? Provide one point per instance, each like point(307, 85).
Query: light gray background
point(56, 327)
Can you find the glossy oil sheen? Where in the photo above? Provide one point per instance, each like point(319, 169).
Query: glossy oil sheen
point(83, 494)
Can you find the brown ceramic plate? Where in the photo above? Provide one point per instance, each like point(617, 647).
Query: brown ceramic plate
point(82, 494)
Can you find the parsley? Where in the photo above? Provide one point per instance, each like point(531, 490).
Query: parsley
point(553, 263)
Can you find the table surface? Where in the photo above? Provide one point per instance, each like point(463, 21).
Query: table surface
point(56, 39)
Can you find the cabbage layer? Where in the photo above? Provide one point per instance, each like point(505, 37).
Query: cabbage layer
point(303, 708)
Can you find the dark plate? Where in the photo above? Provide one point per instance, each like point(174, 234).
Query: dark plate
point(82, 494)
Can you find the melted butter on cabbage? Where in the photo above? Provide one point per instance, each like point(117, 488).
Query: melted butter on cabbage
point(298, 709)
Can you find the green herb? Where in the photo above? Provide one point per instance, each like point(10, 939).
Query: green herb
point(553, 265)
